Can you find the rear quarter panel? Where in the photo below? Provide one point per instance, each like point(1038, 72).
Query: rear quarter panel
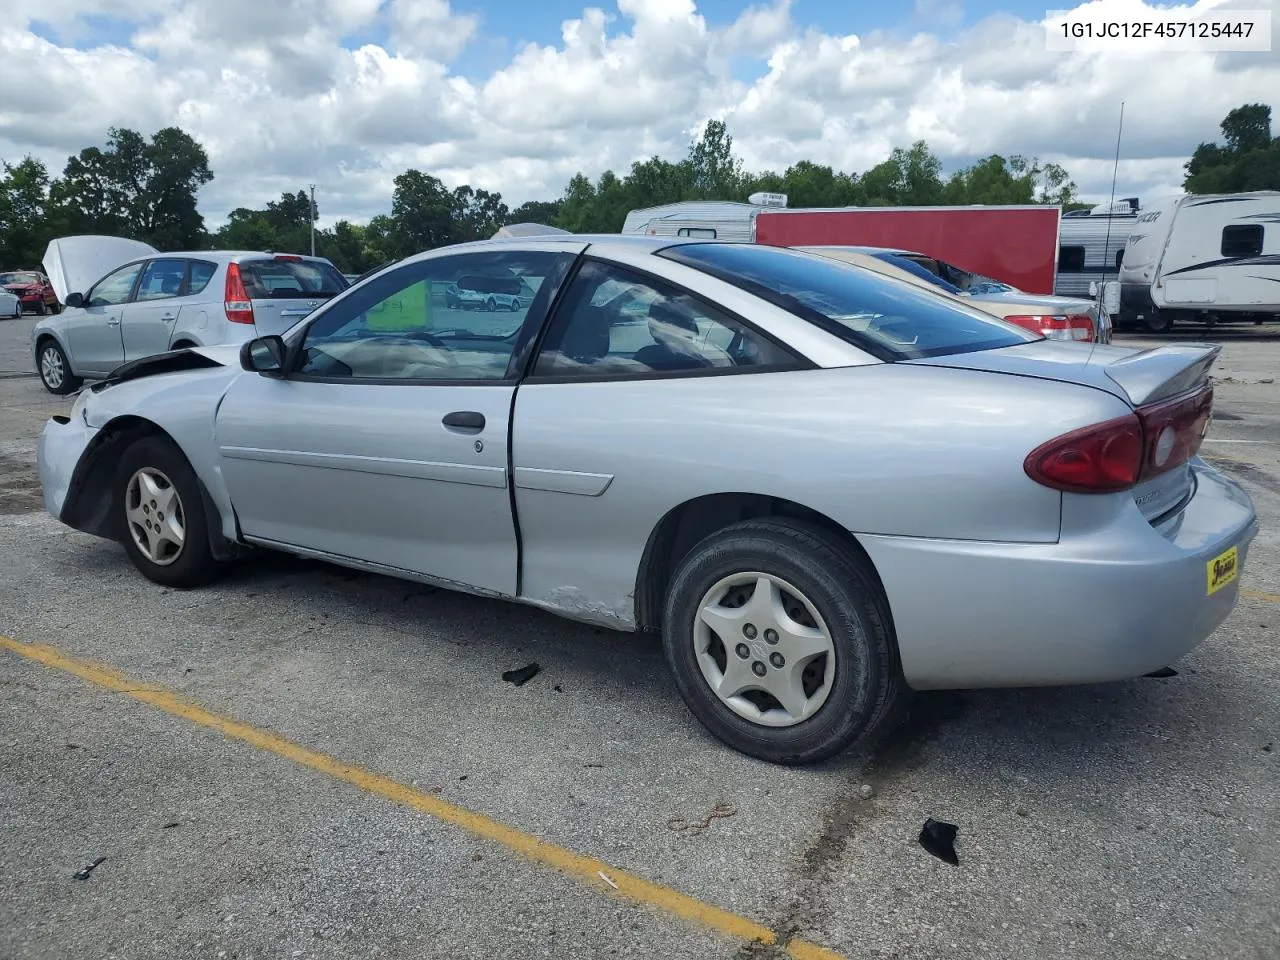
point(895, 450)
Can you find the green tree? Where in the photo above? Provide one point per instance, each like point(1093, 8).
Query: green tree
point(421, 214)
point(535, 211)
point(477, 214)
point(24, 201)
point(145, 190)
point(715, 172)
point(1248, 159)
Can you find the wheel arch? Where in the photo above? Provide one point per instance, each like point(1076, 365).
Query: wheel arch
point(688, 523)
point(88, 505)
point(44, 335)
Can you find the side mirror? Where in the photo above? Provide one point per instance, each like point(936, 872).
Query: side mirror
point(74, 300)
point(265, 355)
point(1093, 288)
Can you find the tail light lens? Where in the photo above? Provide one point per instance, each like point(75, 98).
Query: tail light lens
point(1119, 454)
point(1073, 327)
point(236, 302)
point(288, 258)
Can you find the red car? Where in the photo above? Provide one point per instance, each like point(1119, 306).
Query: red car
point(33, 289)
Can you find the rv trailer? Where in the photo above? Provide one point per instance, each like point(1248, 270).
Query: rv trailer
point(703, 219)
point(1091, 246)
point(1206, 259)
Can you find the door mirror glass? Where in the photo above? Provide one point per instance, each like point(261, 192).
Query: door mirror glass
point(264, 355)
point(74, 300)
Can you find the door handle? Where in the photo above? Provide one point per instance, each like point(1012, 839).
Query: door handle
point(169, 316)
point(464, 420)
point(113, 321)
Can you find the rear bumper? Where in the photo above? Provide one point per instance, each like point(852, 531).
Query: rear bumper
point(1118, 603)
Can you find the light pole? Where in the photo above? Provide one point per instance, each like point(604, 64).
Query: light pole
point(312, 218)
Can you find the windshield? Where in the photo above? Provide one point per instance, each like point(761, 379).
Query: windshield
point(890, 319)
point(8, 278)
point(287, 279)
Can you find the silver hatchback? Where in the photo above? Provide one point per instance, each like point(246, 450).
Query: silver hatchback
point(124, 301)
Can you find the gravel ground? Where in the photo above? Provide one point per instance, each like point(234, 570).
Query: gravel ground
point(1125, 820)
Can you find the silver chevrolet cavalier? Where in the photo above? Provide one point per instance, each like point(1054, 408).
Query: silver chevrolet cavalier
point(823, 486)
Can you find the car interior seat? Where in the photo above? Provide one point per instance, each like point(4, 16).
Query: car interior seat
point(676, 341)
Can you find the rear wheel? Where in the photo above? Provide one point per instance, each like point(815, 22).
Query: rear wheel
point(780, 641)
point(491, 305)
point(41, 308)
point(54, 368)
point(158, 501)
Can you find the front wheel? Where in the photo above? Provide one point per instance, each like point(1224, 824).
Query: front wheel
point(491, 305)
point(41, 308)
point(55, 370)
point(158, 502)
point(780, 641)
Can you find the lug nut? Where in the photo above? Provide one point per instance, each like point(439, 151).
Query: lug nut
point(759, 669)
point(742, 651)
point(749, 631)
point(771, 636)
point(777, 660)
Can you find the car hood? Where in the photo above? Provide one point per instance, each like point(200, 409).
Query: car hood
point(74, 264)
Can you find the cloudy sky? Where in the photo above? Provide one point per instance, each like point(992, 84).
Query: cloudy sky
point(518, 95)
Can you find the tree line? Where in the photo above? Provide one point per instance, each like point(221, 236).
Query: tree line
point(146, 189)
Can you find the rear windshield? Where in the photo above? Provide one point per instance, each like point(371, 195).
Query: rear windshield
point(890, 319)
point(285, 279)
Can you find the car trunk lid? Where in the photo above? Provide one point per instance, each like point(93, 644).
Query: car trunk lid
point(282, 289)
point(1168, 387)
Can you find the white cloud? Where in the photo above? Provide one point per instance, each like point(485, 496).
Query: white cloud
point(279, 99)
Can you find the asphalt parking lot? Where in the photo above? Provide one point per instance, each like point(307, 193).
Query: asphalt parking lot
point(307, 762)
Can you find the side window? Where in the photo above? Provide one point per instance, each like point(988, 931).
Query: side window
point(1242, 240)
point(1071, 259)
point(703, 233)
point(202, 272)
point(115, 287)
point(449, 318)
point(162, 279)
point(617, 323)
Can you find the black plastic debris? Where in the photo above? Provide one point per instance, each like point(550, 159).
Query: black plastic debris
point(522, 676)
point(1163, 673)
point(83, 873)
point(939, 838)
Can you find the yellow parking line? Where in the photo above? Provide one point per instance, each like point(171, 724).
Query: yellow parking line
point(1258, 595)
point(585, 869)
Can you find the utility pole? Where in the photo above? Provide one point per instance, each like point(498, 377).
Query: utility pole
point(312, 218)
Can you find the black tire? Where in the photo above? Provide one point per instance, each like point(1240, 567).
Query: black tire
point(41, 308)
point(867, 686)
point(195, 564)
point(56, 308)
point(70, 382)
point(491, 305)
point(1158, 321)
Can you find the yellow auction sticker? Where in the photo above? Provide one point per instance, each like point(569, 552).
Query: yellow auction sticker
point(1223, 569)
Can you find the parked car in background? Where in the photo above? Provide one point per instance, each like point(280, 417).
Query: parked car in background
point(124, 300)
point(10, 305)
point(32, 288)
point(1055, 318)
point(822, 486)
point(489, 293)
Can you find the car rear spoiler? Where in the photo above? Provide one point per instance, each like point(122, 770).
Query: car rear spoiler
point(1164, 371)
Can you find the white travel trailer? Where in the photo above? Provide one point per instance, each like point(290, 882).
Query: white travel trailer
point(704, 219)
point(1208, 259)
point(1091, 245)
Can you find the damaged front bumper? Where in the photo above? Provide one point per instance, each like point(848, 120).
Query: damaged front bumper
point(63, 442)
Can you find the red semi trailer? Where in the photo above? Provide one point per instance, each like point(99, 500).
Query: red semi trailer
point(1017, 245)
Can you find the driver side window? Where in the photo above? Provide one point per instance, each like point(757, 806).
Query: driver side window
point(114, 288)
point(448, 318)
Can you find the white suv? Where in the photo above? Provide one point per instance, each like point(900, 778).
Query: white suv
point(124, 300)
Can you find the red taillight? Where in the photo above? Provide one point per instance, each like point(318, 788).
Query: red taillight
point(1104, 458)
point(236, 302)
point(1073, 327)
point(1174, 430)
point(1121, 453)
